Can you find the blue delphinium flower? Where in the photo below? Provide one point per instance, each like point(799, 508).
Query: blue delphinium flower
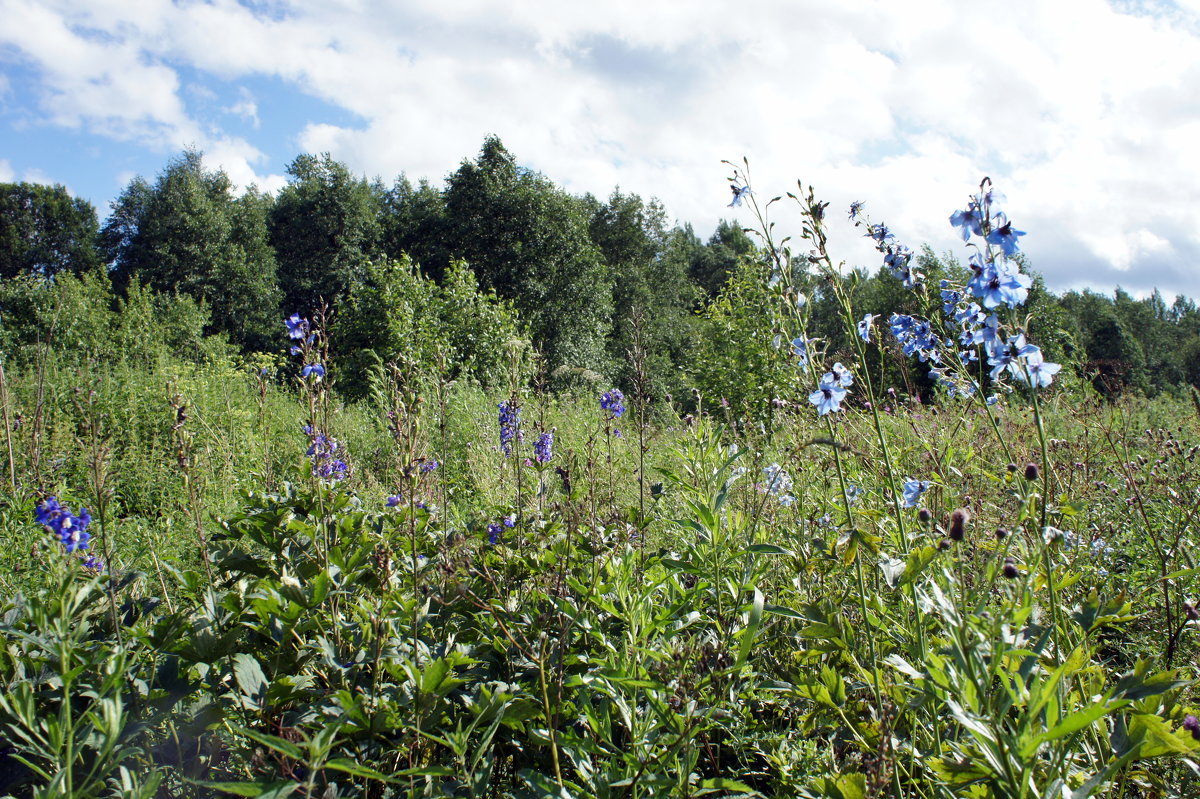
point(326, 461)
point(494, 530)
point(913, 489)
point(510, 425)
point(855, 209)
point(315, 369)
point(879, 233)
point(613, 403)
point(393, 501)
point(839, 375)
point(297, 327)
point(92, 563)
point(968, 222)
point(1004, 235)
point(828, 396)
point(800, 351)
point(429, 465)
point(58, 519)
point(738, 193)
point(543, 447)
point(864, 327)
point(915, 336)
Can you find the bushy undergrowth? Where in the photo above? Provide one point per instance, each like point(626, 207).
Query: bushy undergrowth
point(437, 591)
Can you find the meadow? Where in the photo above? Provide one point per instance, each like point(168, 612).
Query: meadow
point(985, 588)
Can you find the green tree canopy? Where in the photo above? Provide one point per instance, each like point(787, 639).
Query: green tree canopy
point(44, 231)
point(188, 233)
point(325, 227)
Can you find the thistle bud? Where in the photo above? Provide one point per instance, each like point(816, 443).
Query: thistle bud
point(1032, 472)
point(924, 516)
point(958, 524)
point(1001, 533)
point(1010, 569)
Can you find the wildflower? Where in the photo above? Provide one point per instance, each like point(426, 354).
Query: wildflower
point(510, 520)
point(542, 448)
point(1031, 471)
point(92, 563)
point(778, 483)
point(828, 396)
point(1004, 235)
point(879, 233)
point(58, 519)
point(800, 350)
point(297, 328)
point(839, 375)
point(613, 403)
point(864, 327)
point(393, 501)
point(326, 463)
point(1010, 569)
point(855, 209)
point(1192, 725)
point(969, 221)
point(315, 369)
point(913, 489)
point(429, 465)
point(510, 425)
point(494, 530)
point(853, 493)
point(738, 193)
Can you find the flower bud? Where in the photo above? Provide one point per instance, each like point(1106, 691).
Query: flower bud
point(924, 516)
point(1001, 533)
point(958, 524)
point(1032, 472)
point(1010, 569)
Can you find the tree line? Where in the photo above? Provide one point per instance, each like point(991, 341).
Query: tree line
point(601, 289)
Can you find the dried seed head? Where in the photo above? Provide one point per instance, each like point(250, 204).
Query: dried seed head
point(958, 524)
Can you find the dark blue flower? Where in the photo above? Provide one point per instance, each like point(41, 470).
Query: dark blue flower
point(543, 447)
point(494, 530)
point(393, 501)
point(855, 209)
point(509, 419)
point(297, 327)
point(314, 369)
point(58, 519)
point(428, 466)
point(613, 403)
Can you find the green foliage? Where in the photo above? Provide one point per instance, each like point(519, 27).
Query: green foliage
point(528, 241)
point(395, 314)
point(188, 234)
point(45, 231)
point(737, 360)
point(325, 229)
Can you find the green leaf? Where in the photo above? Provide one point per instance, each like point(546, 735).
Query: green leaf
point(250, 677)
point(281, 745)
point(768, 549)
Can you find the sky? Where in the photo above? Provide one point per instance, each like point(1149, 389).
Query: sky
point(1084, 113)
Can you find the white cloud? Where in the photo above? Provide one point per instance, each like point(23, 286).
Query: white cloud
point(6, 171)
point(1083, 115)
point(245, 107)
